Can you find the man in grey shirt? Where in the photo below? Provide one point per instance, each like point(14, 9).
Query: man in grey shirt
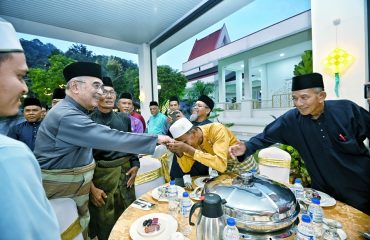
point(67, 136)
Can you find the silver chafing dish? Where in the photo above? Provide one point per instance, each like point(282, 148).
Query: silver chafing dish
point(259, 205)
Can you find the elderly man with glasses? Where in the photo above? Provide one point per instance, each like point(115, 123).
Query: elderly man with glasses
point(112, 189)
point(202, 110)
point(67, 136)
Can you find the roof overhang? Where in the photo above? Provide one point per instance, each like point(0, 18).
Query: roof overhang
point(118, 25)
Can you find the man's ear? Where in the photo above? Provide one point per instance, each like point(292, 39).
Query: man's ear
point(74, 87)
point(322, 96)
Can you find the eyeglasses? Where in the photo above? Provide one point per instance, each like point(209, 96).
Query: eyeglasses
point(106, 93)
point(95, 85)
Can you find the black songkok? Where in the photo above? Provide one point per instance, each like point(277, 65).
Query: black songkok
point(126, 95)
point(174, 98)
point(31, 102)
point(107, 82)
point(153, 103)
point(80, 69)
point(207, 100)
point(306, 81)
point(59, 93)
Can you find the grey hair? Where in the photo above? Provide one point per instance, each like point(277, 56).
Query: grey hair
point(318, 89)
point(69, 83)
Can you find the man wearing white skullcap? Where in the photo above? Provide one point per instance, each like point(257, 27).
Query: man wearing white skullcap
point(25, 210)
point(206, 145)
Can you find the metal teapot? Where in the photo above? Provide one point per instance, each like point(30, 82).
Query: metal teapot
point(211, 220)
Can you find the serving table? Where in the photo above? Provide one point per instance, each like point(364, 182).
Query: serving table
point(354, 221)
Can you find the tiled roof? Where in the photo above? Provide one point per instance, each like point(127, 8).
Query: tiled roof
point(205, 45)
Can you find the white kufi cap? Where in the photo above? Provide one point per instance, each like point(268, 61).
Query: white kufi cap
point(180, 127)
point(9, 41)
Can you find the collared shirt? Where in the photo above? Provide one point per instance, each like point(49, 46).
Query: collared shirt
point(119, 121)
point(136, 125)
point(331, 146)
point(67, 136)
point(25, 132)
point(157, 124)
point(213, 151)
point(22, 195)
point(140, 117)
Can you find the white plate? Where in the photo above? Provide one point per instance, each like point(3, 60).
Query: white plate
point(199, 181)
point(156, 193)
point(168, 223)
point(325, 201)
point(141, 229)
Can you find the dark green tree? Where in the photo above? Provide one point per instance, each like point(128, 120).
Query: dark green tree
point(37, 53)
point(44, 81)
point(199, 88)
point(130, 82)
point(172, 83)
point(80, 53)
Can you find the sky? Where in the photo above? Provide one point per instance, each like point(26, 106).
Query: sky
point(253, 17)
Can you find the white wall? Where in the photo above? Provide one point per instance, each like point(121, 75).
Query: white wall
point(351, 37)
point(285, 28)
point(278, 73)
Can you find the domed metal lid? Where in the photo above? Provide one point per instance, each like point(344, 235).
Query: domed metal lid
point(254, 199)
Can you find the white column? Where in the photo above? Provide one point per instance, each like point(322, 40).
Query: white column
point(221, 85)
point(351, 36)
point(145, 79)
point(238, 86)
point(264, 86)
point(155, 75)
point(247, 82)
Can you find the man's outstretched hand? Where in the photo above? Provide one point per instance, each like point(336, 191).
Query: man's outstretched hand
point(237, 149)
